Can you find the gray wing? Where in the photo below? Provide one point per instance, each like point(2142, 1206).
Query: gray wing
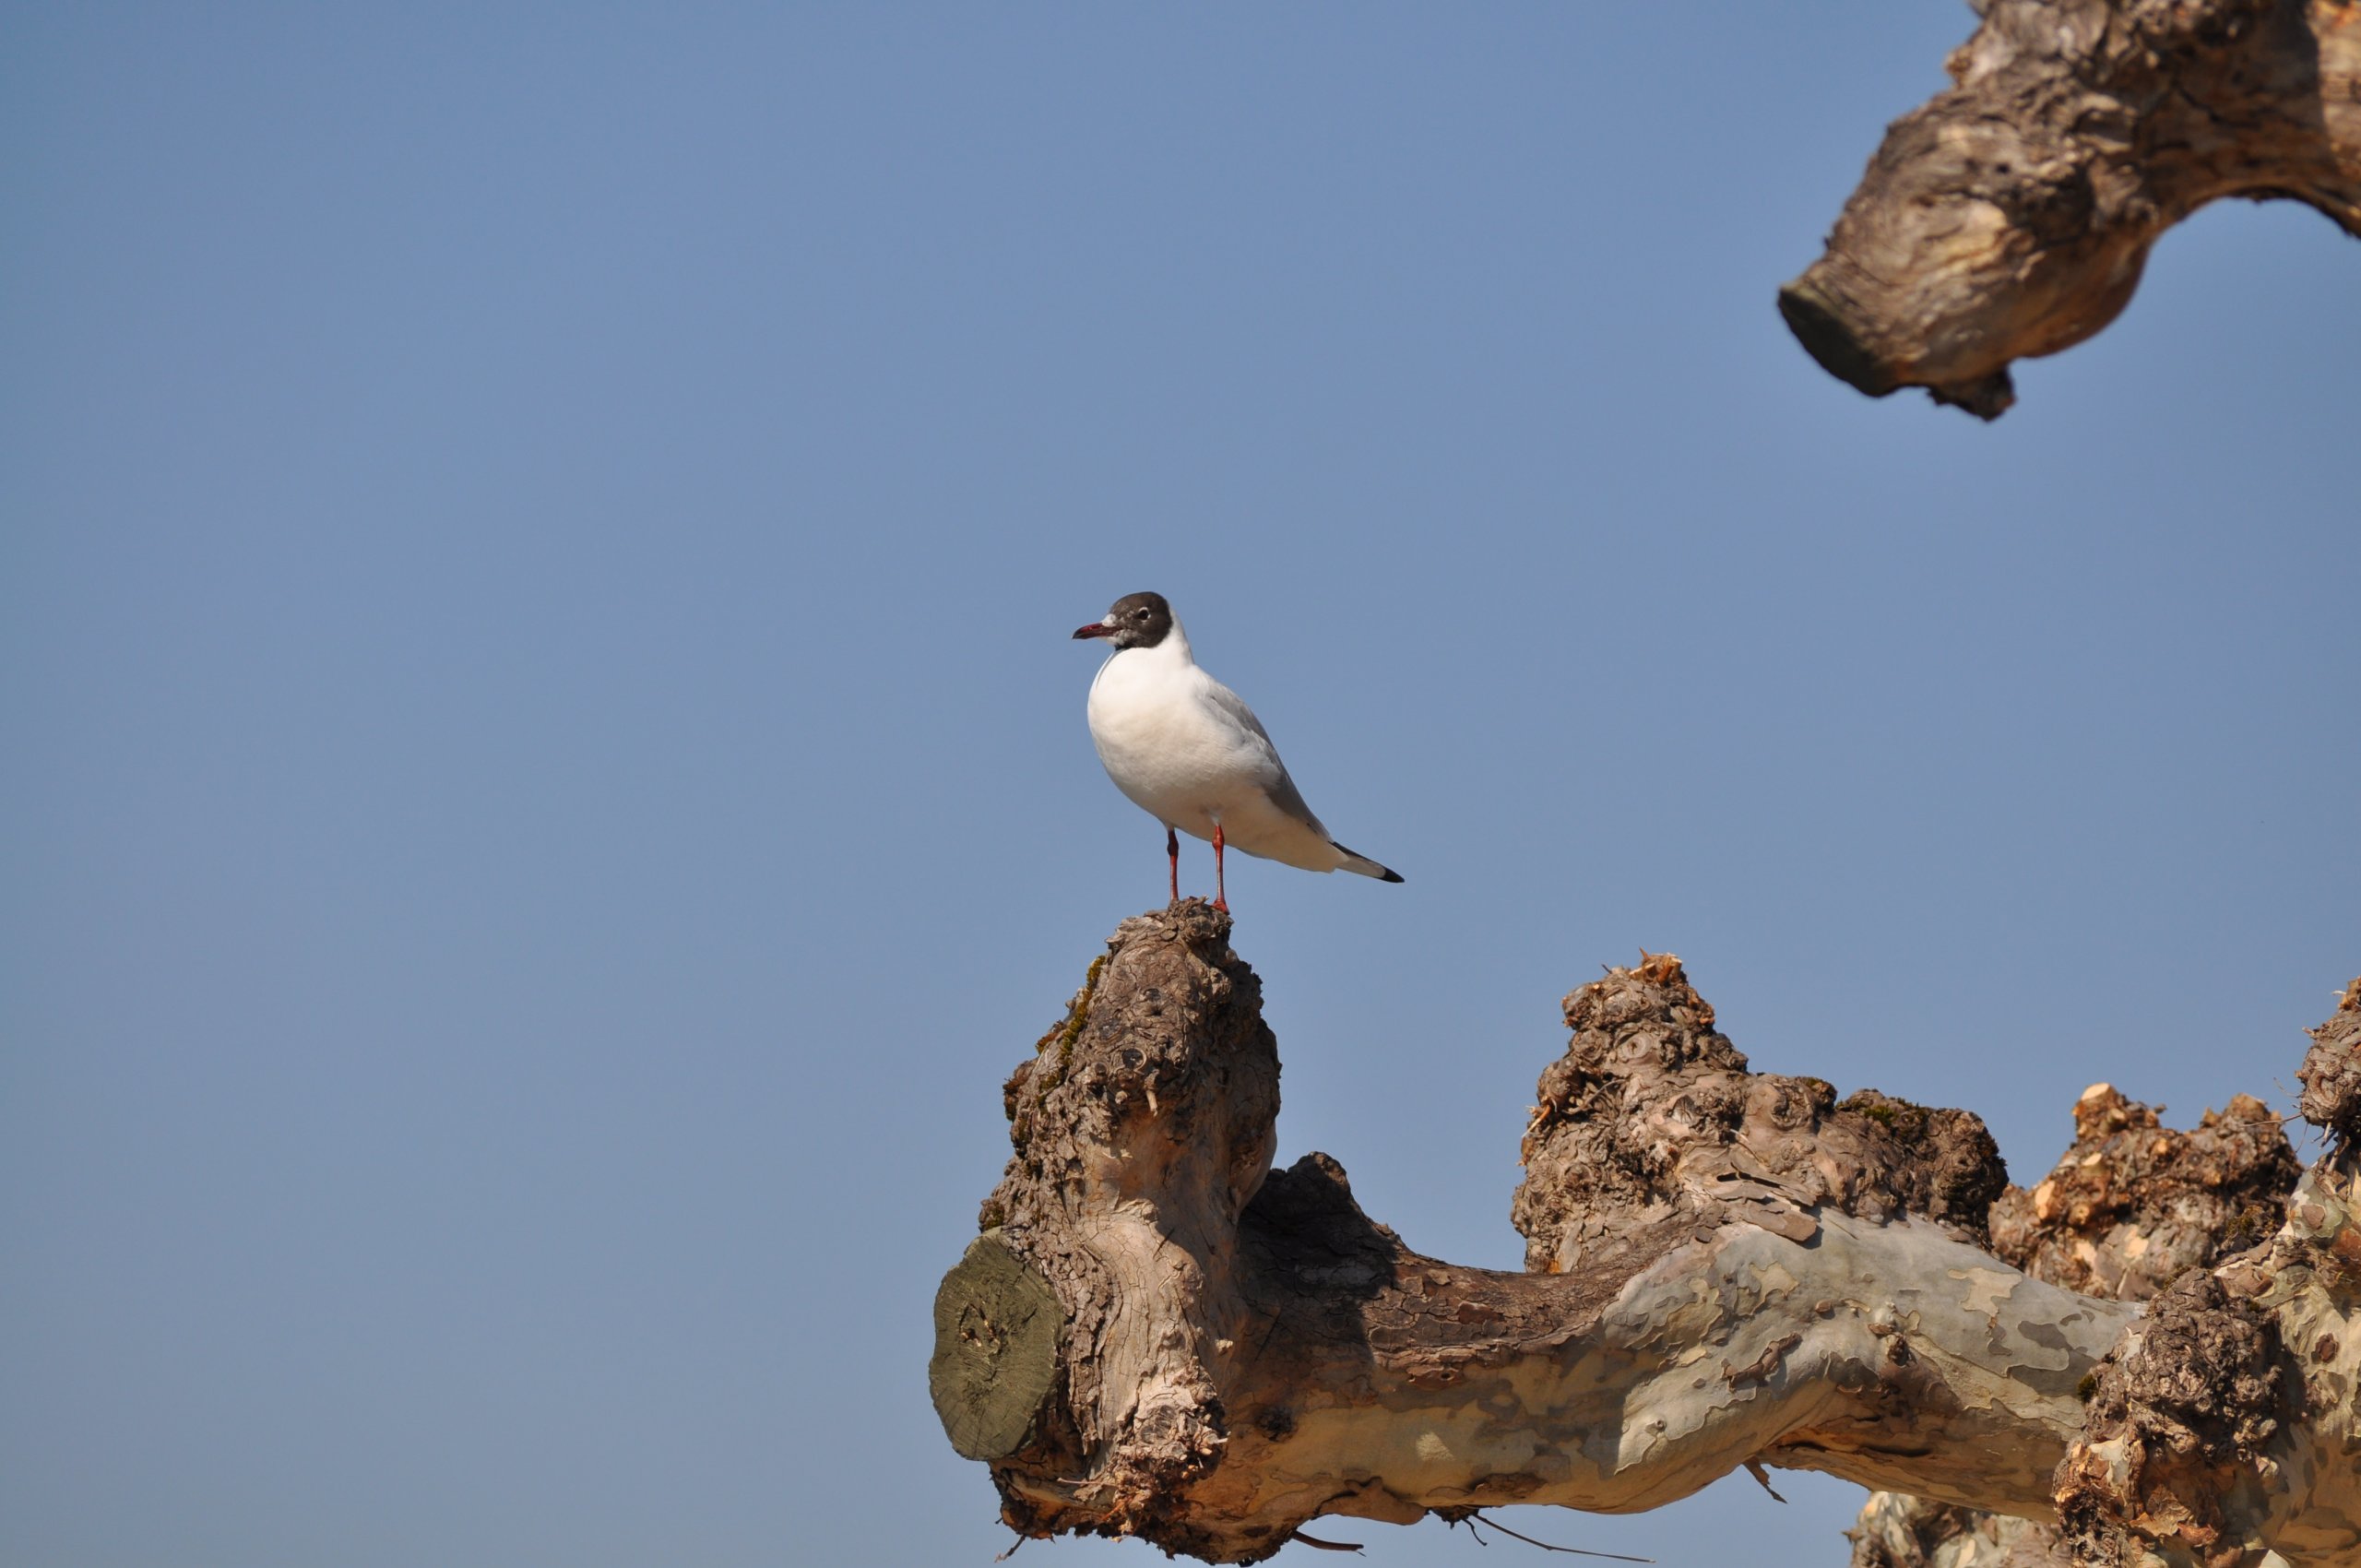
point(1280, 787)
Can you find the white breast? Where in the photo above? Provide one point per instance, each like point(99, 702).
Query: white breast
point(1166, 742)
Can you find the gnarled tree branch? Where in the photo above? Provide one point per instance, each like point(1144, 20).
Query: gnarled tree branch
point(2125, 1211)
point(1158, 1336)
point(2010, 216)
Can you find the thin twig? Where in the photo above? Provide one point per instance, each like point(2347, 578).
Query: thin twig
point(1569, 1550)
point(1012, 1550)
point(1326, 1545)
point(1754, 1467)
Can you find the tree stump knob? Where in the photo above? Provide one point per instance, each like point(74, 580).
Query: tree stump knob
point(996, 1329)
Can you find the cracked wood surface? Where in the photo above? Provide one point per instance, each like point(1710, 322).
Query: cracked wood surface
point(2011, 215)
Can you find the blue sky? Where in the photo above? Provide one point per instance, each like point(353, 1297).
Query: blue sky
point(547, 783)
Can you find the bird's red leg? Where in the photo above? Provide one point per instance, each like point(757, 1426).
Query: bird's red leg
point(1221, 892)
point(1172, 849)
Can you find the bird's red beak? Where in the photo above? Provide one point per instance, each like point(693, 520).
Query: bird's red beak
point(1095, 629)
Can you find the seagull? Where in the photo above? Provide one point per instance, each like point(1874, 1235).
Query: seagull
point(1191, 753)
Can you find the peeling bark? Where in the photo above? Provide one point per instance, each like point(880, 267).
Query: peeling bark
point(2129, 1208)
point(1158, 1335)
point(2010, 216)
point(2221, 1431)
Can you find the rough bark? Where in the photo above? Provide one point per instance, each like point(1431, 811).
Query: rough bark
point(1899, 1531)
point(2011, 215)
point(2331, 1076)
point(2133, 1205)
point(1652, 1120)
point(2224, 1429)
point(2129, 1208)
point(1158, 1336)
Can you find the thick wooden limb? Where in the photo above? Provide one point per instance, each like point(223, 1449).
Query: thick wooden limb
point(2009, 217)
point(1873, 1351)
point(1158, 1335)
point(1383, 1384)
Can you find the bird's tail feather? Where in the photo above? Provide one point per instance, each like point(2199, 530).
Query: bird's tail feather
point(1366, 866)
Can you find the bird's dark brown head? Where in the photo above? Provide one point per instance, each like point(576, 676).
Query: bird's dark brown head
point(1138, 620)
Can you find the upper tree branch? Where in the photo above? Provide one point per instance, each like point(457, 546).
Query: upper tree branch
point(2011, 215)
